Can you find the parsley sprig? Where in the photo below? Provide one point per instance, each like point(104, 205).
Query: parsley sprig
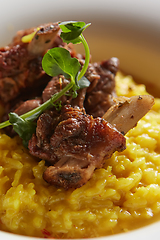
point(55, 62)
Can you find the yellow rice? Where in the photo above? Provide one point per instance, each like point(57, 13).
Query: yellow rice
point(121, 196)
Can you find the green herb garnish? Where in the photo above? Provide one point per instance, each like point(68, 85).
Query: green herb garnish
point(55, 62)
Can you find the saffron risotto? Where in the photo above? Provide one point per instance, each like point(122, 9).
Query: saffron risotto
point(123, 195)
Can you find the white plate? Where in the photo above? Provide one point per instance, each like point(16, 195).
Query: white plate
point(129, 30)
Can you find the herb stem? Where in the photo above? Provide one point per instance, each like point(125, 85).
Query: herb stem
point(4, 124)
point(87, 57)
point(48, 103)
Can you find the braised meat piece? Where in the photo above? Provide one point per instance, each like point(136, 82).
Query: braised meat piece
point(74, 143)
point(21, 108)
point(10, 87)
point(99, 97)
point(15, 57)
point(59, 82)
point(21, 62)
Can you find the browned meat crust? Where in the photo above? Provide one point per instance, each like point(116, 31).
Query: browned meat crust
point(75, 146)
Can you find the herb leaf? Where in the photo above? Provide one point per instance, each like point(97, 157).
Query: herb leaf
point(24, 128)
point(72, 30)
point(59, 61)
point(68, 26)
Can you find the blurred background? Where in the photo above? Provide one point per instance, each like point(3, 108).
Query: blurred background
point(129, 30)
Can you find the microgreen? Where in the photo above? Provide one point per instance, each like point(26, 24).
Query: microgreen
point(72, 33)
point(55, 62)
point(72, 30)
point(24, 128)
point(59, 61)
